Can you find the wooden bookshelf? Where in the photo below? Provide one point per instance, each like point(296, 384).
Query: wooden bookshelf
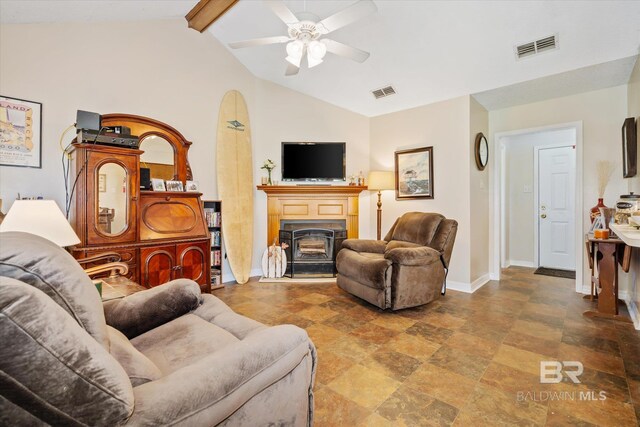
point(213, 218)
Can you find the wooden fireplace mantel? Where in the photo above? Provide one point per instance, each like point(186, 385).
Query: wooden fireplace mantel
point(310, 202)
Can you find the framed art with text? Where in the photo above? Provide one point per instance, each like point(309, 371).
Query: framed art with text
point(20, 132)
point(414, 173)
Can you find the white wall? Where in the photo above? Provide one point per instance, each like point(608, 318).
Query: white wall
point(601, 113)
point(479, 199)
point(285, 115)
point(445, 126)
point(633, 110)
point(163, 70)
point(520, 204)
point(633, 278)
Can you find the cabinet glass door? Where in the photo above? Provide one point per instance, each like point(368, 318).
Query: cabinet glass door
point(113, 207)
point(111, 197)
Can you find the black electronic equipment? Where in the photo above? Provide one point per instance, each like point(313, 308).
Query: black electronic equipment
point(86, 120)
point(120, 130)
point(145, 179)
point(94, 137)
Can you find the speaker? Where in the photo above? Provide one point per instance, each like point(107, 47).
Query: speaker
point(145, 179)
point(86, 120)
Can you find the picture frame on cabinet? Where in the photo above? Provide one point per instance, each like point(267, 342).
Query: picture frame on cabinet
point(174, 186)
point(157, 184)
point(21, 133)
point(192, 187)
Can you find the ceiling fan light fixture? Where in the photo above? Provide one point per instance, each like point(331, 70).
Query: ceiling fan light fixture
point(317, 50)
point(294, 50)
point(294, 60)
point(312, 61)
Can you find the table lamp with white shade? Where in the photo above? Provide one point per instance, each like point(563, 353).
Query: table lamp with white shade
point(380, 181)
point(42, 218)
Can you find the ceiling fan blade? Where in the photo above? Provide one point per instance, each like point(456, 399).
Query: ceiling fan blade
point(259, 42)
point(292, 70)
point(346, 16)
point(282, 11)
point(341, 49)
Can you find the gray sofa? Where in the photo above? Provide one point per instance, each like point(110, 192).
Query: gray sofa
point(406, 269)
point(165, 356)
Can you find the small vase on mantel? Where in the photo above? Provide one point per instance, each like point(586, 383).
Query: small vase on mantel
point(595, 211)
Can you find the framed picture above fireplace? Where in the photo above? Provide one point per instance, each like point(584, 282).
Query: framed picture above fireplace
point(414, 173)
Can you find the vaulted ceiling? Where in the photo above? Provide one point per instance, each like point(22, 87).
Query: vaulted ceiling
point(428, 50)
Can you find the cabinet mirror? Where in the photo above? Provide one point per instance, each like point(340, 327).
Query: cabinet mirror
point(112, 194)
point(169, 147)
point(158, 157)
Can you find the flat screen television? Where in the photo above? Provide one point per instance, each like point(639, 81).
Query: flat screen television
point(313, 161)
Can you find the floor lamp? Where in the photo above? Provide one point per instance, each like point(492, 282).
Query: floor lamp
point(380, 181)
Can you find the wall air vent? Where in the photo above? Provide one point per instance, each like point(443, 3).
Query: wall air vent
point(382, 92)
point(538, 46)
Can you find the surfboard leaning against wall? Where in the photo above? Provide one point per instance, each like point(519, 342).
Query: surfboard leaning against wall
point(235, 183)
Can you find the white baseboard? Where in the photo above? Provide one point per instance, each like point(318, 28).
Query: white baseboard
point(468, 288)
point(518, 263)
point(633, 312)
point(494, 276)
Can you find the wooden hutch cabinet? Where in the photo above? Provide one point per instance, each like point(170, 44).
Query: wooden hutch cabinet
point(161, 235)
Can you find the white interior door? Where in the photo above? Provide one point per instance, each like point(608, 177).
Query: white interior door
point(556, 201)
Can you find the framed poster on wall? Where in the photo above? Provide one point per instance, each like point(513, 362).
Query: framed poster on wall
point(414, 174)
point(20, 132)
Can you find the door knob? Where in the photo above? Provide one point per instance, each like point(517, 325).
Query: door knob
point(543, 216)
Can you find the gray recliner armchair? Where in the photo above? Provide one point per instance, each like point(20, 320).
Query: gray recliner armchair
point(406, 269)
point(165, 356)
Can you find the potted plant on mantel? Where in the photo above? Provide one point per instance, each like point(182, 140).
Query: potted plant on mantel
point(269, 165)
point(605, 170)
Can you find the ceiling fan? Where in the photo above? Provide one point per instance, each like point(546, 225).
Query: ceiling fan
point(306, 31)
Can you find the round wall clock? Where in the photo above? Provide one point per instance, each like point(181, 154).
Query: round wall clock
point(482, 151)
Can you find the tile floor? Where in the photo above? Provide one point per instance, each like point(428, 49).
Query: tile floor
point(464, 360)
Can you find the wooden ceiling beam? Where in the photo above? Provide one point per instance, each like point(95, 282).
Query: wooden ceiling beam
point(206, 12)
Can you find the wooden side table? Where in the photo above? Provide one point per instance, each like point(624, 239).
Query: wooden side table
point(604, 256)
point(118, 287)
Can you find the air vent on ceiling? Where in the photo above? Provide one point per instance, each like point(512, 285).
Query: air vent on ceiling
point(382, 92)
point(538, 46)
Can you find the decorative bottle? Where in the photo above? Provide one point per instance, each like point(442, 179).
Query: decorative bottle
point(595, 211)
point(361, 179)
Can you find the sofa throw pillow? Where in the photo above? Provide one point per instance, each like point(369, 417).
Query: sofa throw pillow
point(49, 268)
point(138, 366)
